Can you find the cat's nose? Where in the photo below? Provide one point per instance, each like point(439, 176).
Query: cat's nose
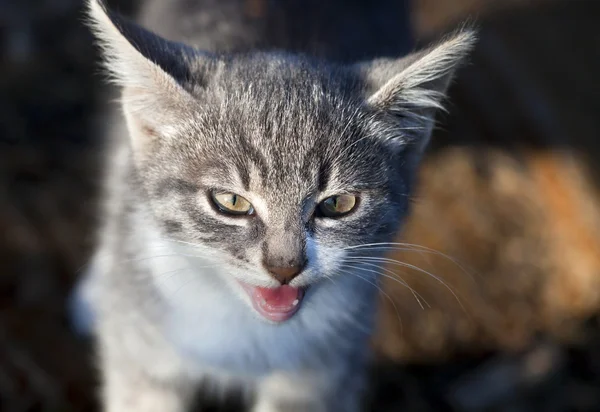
point(284, 274)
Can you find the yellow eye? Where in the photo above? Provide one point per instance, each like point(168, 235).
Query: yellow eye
point(231, 204)
point(336, 206)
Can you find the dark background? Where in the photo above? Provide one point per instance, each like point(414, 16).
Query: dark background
point(50, 94)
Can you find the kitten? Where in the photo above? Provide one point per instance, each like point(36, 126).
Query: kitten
point(240, 188)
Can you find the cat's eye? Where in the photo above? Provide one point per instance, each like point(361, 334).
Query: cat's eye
point(231, 204)
point(337, 206)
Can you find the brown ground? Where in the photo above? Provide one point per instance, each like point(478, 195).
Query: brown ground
point(496, 194)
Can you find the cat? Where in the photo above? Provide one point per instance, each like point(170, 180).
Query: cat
point(242, 188)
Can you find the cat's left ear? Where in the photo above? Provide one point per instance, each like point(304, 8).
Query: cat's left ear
point(410, 90)
point(155, 76)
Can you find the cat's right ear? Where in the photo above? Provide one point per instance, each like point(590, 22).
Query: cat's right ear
point(152, 72)
point(411, 89)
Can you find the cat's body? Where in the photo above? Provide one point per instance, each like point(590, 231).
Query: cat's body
point(193, 331)
point(273, 298)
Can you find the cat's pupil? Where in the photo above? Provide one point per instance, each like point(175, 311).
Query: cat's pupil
point(334, 203)
point(233, 200)
point(336, 206)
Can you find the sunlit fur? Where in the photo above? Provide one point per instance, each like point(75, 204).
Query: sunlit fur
point(285, 132)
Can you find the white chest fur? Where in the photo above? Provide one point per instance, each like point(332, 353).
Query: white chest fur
point(213, 328)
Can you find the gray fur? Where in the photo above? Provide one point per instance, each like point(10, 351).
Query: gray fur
point(285, 131)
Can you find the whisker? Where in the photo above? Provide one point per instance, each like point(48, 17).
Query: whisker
point(408, 265)
point(161, 256)
point(331, 278)
point(385, 294)
point(108, 256)
point(181, 241)
point(418, 297)
point(182, 286)
point(171, 274)
point(410, 247)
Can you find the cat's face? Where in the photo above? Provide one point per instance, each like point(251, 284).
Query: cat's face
point(279, 172)
point(277, 167)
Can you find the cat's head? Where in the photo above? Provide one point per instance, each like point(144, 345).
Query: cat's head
point(278, 165)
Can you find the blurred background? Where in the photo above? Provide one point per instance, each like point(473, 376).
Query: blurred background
point(509, 190)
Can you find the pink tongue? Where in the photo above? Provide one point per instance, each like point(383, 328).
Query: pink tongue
point(283, 296)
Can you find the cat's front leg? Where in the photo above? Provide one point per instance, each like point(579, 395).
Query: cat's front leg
point(339, 389)
point(126, 390)
point(140, 373)
point(284, 393)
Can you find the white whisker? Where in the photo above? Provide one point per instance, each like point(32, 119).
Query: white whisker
point(408, 265)
point(418, 297)
point(385, 294)
point(409, 247)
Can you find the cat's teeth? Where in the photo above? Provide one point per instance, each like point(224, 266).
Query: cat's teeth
point(294, 303)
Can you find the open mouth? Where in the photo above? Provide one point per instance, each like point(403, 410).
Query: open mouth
point(275, 304)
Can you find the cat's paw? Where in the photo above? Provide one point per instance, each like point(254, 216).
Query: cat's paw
point(288, 405)
point(280, 393)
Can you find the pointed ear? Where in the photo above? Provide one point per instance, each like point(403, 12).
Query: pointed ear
point(136, 58)
point(154, 73)
point(410, 90)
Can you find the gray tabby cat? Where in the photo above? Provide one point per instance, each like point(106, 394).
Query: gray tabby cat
point(240, 188)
